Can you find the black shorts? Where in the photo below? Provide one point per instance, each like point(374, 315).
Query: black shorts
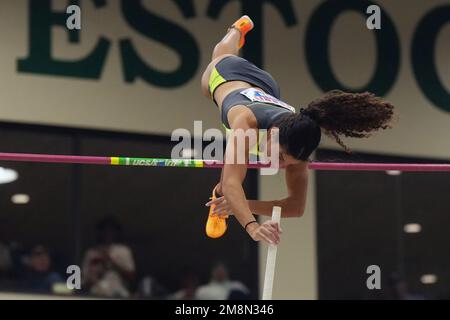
point(234, 68)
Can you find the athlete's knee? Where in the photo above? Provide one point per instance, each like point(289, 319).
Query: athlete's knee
point(218, 49)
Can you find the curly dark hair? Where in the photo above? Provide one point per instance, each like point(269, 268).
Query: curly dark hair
point(337, 114)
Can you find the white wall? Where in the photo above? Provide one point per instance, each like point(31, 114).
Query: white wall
point(296, 268)
point(142, 107)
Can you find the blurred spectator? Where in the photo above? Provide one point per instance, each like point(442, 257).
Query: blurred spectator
point(220, 287)
point(398, 289)
point(108, 267)
point(188, 286)
point(99, 280)
point(39, 276)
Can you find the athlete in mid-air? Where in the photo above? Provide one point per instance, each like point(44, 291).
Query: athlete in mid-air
point(249, 98)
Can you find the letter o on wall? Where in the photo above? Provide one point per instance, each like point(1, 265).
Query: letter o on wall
point(317, 48)
point(423, 56)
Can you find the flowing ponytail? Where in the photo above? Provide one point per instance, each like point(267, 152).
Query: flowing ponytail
point(355, 115)
point(336, 114)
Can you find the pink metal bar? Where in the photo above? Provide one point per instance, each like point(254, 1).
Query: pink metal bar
point(378, 166)
point(335, 166)
point(27, 157)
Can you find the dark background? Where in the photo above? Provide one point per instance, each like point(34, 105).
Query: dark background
point(360, 215)
point(161, 209)
point(360, 219)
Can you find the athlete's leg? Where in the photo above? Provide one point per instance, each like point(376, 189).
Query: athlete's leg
point(207, 74)
point(229, 45)
point(216, 225)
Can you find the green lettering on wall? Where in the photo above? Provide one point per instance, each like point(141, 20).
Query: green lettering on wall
point(423, 56)
point(165, 32)
point(39, 59)
point(318, 53)
point(253, 50)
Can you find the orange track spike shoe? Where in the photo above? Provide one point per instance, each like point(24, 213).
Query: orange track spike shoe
point(244, 24)
point(216, 226)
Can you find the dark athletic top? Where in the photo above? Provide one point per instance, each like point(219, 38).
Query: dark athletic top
point(266, 106)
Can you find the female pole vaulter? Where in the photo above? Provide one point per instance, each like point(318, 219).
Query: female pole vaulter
point(249, 98)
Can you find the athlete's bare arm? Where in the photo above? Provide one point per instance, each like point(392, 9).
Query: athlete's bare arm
point(292, 206)
point(233, 175)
